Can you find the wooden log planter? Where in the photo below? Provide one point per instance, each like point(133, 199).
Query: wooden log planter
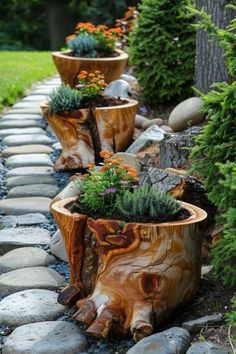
point(146, 270)
point(80, 146)
point(69, 66)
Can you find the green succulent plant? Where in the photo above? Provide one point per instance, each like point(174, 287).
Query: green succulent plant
point(147, 201)
point(83, 46)
point(64, 99)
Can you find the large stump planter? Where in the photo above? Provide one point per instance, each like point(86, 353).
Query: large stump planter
point(145, 270)
point(69, 66)
point(115, 127)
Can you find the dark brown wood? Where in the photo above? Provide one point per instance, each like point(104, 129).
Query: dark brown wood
point(210, 64)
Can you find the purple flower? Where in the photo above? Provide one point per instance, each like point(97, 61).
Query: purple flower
point(79, 86)
point(110, 190)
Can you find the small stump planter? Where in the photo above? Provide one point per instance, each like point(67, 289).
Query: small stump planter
point(69, 67)
point(145, 270)
point(75, 131)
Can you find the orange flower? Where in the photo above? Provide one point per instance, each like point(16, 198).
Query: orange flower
point(89, 166)
point(70, 37)
point(91, 75)
point(105, 153)
point(83, 72)
point(104, 168)
point(116, 161)
point(97, 72)
point(131, 174)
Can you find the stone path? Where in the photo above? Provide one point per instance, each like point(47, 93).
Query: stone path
point(29, 280)
point(31, 320)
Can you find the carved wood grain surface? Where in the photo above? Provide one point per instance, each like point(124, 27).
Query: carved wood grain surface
point(115, 127)
point(145, 270)
point(69, 66)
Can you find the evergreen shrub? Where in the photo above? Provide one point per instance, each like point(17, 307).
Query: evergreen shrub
point(162, 50)
point(84, 46)
point(214, 155)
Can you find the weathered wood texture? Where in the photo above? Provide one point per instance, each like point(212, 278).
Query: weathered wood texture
point(115, 126)
point(79, 245)
point(146, 271)
point(177, 183)
point(69, 66)
point(175, 148)
point(210, 64)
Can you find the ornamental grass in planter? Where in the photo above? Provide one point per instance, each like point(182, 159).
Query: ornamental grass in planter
point(86, 121)
point(91, 48)
point(148, 247)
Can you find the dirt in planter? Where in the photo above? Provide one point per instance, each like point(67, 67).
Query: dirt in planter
point(76, 207)
point(100, 54)
point(102, 101)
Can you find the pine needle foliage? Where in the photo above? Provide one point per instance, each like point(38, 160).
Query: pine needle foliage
point(147, 201)
point(214, 155)
point(64, 100)
point(162, 50)
point(83, 46)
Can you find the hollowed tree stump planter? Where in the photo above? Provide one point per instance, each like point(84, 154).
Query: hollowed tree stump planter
point(145, 270)
point(114, 126)
point(69, 66)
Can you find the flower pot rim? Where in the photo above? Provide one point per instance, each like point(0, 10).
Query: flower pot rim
point(122, 55)
point(130, 103)
point(197, 214)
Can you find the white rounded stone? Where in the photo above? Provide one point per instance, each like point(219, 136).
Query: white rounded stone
point(25, 160)
point(52, 337)
point(12, 238)
point(57, 246)
point(186, 114)
point(29, 306)
point(30, 278)
point(25, 205)
point(25, 257)
point(35, 190)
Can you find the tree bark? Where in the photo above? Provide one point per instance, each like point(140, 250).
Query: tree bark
point(210, 65)
point(58, 23)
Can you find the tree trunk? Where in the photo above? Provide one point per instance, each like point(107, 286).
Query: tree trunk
point(146, 271)
point(58, 23)
point(210, 65)
point(175, 148)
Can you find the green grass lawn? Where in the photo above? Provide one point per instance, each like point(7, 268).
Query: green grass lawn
point(19, 70)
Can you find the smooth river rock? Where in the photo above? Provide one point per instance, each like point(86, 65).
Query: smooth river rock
point(172, 341)
point(29, 306)
point(30, 278)
point(26, 139)
point(157, 121)
point(52, 337)
point(19, 116)
point(35, 190)
point(12, 238)
point(118, 88)
point(152, 134)
point(57, 246)
point(140, 120)
point(21, 131)
point(26, 205)
point(25, 257)
point(26, 149)
point(207, 348)
point(186, 114)
point(23, 220)
point(25, 160)
point(26, 180)
point(196, 325)
point(27, 123)
point(30, 171)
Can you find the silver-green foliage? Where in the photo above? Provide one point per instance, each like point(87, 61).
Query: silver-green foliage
point(64, 100)
point(83, 46)
point(147, 201)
